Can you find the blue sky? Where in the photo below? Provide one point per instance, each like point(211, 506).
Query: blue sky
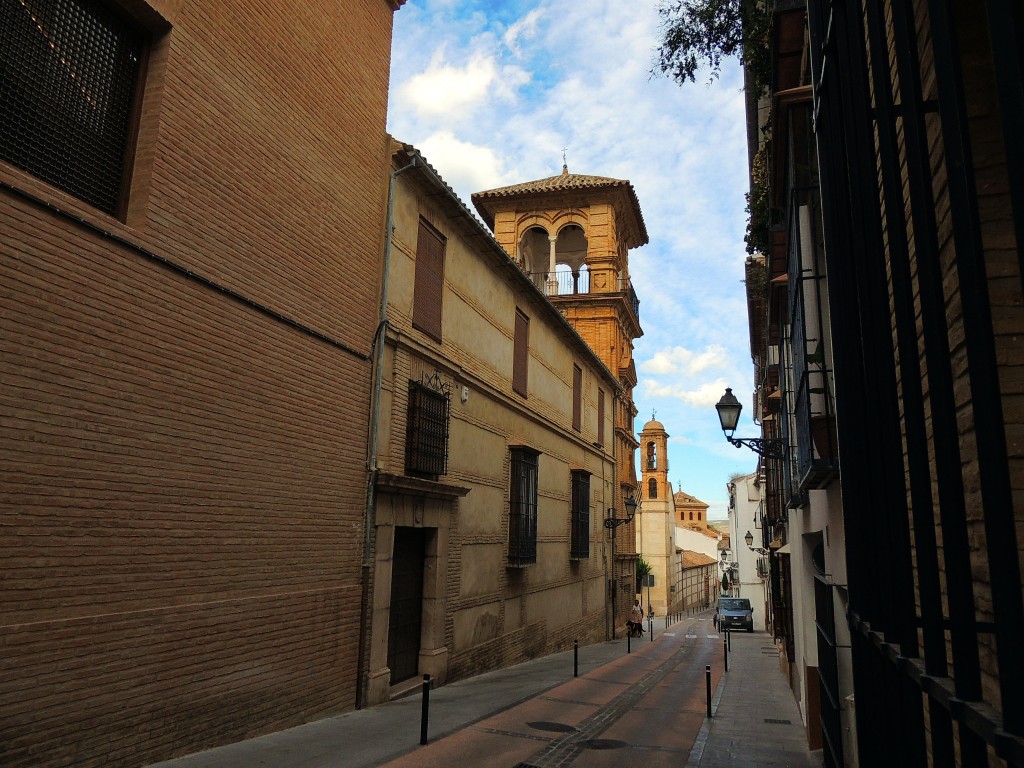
point(490, 92)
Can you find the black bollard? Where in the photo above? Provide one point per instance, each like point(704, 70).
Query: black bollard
point(426, 709)
point(629, 634)
point(725, 649)
point(575, 658)
point(728, 634)
point(707, 677)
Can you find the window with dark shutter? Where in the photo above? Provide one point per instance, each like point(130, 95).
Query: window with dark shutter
point(577, 397)
point(579, 535)
point(522, 517)
point(426, 438)
point(521, 353)
point(600, 417)
point(69, 84)
point(426, 311)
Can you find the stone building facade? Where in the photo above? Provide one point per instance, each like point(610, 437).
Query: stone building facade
point(190, 238)
point(572, 234)
point(495, 455)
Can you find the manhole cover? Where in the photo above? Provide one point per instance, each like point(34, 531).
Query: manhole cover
point(777, 722)
point(553, 727)
point(603, 744)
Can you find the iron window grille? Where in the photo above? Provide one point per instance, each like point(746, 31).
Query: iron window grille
point(579, 536)
point(426, 440)
point(69, 82)
point(522, 522)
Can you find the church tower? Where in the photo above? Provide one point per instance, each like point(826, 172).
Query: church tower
point(656, 519)
point(572, 234)
point(654, 458)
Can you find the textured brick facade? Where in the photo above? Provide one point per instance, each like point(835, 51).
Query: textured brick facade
point(481, 610)
point(184, 410)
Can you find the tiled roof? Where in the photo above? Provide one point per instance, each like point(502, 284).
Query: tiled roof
point(564, 180)
point(694, 559)
point(684, 498)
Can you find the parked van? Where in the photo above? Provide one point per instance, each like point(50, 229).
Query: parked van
point(735, 613)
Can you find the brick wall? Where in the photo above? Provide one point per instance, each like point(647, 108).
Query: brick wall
point(183, 483)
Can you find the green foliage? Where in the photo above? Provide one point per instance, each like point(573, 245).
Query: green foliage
point(699, 33)
point(643, 568)
point(757, 289)
point(758, 208)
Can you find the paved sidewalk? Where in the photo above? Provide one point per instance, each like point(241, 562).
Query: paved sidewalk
point(756, 722)
point(650, 702)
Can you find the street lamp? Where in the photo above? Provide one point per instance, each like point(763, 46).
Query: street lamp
point(612, 523)
point(729, 414)
point(749, 538)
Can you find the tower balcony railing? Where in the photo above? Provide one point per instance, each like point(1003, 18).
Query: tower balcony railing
point(566, 283)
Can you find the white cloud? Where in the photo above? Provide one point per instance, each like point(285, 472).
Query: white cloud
point(522, 30)
point(705, 395)
point(679, 361)
point(462, 164)
point(445, 90)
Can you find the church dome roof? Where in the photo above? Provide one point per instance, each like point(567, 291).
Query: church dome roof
point(653, 426)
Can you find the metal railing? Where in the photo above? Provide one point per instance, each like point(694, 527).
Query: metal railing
point(566, 283)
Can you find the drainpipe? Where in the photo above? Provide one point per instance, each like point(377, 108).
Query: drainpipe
point(370, 515)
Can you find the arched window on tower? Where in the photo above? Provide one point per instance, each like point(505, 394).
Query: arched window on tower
point(652, 456)
point(691, 514)
point(652, 488)
point(698, 517)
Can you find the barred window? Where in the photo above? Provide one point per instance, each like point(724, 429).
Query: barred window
point(579, 536)
point(426, 439)
point(522, 523)
point(69, 83)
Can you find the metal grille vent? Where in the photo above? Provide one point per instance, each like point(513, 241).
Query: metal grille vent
point(426, 445)
point(68, 73)
point(522, 524)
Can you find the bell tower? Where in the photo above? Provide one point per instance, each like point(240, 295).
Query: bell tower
point(572, 234)
point(656, 529)
point(654, 461)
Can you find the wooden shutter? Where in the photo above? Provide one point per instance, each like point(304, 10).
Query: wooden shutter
point(577, 397)
point(426, 311)
point(600, 416)
point(521, 353)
